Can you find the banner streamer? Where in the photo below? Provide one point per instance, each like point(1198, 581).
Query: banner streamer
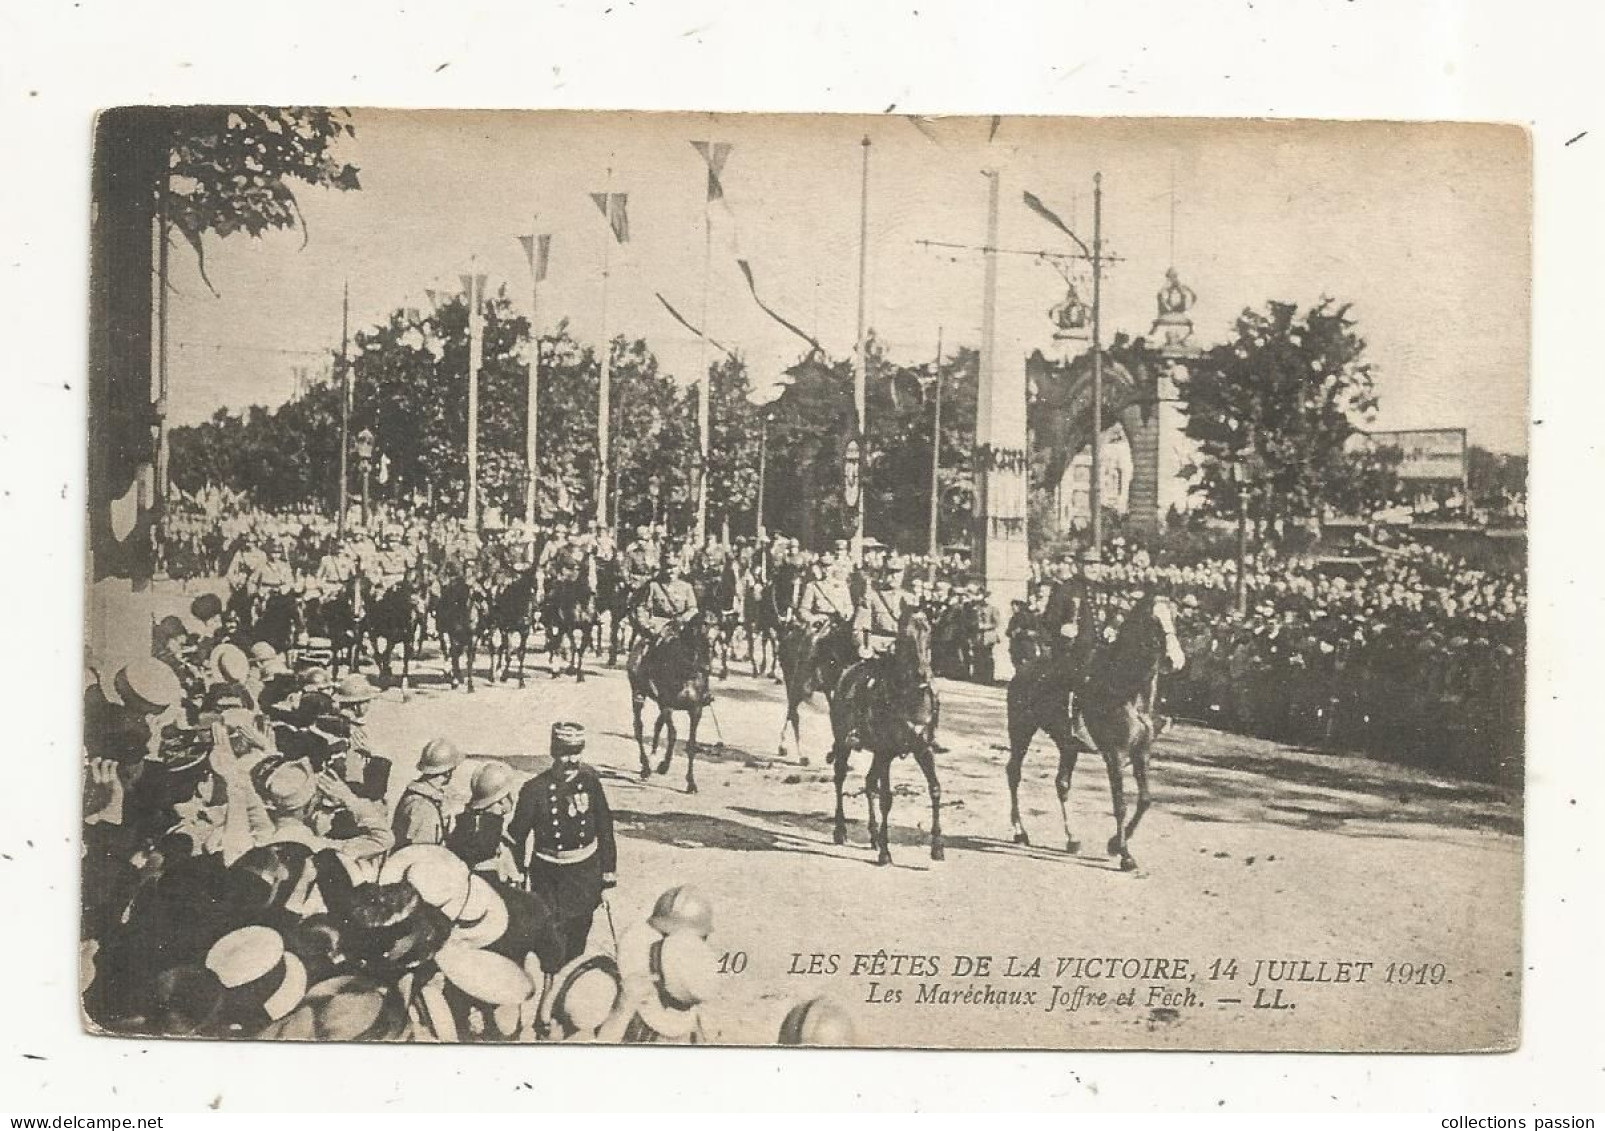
point(680, 318)
point(746, 269)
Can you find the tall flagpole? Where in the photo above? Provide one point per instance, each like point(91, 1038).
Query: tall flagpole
point(475, 356)
point(532, 399)
point(602, 396)
point(936, 463)
point(860, 375)
point(705, 384)
point(345, 410)
point(1095, 488)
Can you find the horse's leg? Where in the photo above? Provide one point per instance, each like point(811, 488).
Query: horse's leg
point(471, 653)
point(794, 722)
point(1064, 738)
point(926, 757)
point(579, 654)
point(1020, 732)
point(636, 702)
point(841, 777)
point(523, 650)
point(691, 748)
point(406, 659)
point(1117, 795)
point(554, 638)
point(1139, 771)
point(884, 775)
point(870, 777)
point(666, 719)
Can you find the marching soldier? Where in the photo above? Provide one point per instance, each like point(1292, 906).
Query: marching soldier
point(563, 830)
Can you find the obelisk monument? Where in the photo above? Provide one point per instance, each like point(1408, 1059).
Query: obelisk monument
point(1001, 453)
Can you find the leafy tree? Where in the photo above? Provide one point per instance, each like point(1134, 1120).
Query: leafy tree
point(231, 168)
point(1272, 411)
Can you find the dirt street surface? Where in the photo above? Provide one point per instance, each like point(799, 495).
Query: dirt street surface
point(1251, 851)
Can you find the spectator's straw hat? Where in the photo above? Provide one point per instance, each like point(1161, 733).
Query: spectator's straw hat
point(143, 683)
point(583, 994)
point(355, 688)
point(487, 978)
point(260, 978)
point(349, 1007)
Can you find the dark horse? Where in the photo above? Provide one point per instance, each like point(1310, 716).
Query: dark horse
point(339, 618)
point(887, 705)
point(812, 659)
point(613, 600)
point(762, 623)
point(512, 613)
point(672, 671)
point(1115, 705)
point(393, 618)
point(567, 614)
point(720, 594)
point(1039, 698)
point(278, 621)
point(459, 611)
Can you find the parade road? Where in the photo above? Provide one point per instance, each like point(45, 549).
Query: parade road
point(1321, 858)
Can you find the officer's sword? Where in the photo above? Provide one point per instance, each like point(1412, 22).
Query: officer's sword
point(608, 907)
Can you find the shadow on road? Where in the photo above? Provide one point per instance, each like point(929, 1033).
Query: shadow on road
point(1229, 782)
point(701, 830)
point(912, 839)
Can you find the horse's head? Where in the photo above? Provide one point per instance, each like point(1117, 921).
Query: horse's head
point(1157, 618)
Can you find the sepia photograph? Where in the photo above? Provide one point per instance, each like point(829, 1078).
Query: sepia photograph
point(892, 581)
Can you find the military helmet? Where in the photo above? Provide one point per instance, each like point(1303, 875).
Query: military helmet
point(682, 908)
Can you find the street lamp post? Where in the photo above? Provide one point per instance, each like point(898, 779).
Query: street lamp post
point(1242, 467)
point(365, 440)
point(763, 467)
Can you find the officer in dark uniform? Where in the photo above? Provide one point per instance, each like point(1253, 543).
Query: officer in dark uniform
point(563, 829)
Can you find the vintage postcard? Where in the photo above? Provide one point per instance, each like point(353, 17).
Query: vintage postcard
point(809, 580)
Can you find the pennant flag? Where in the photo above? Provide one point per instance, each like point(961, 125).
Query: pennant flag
point(1034, 203)
point(715, 154)
point(924, 127)
point(612, 205)
point(473, 287)
point(680, 318)
point(538, 251)
point(997, 120)
point(746, 269)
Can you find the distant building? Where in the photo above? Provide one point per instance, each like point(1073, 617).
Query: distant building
point(1072, 497)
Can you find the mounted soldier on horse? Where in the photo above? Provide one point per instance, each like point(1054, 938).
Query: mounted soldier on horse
point(568, 605)
point(816, 646)
point(887, 704)
point(669, 663)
